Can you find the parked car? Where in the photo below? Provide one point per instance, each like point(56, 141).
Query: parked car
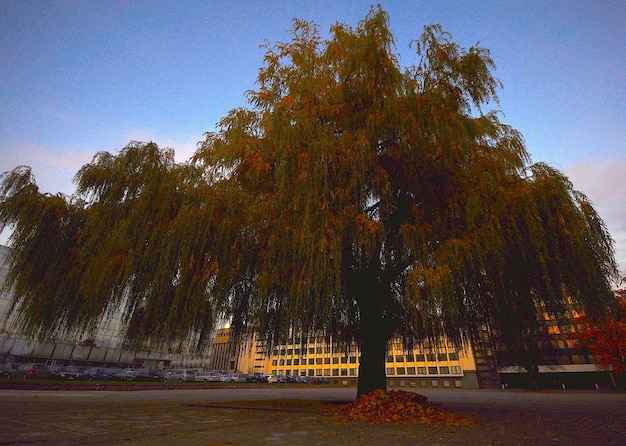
point(143, 375)
point(234, 378)
point(120, 374)
point(96, 374)
point(255, 378)
point(277, 379)
point(317, 380)
point(181, 375)
point(208, 376)
point(159, 375)
point(299, 379)
point(5, 370)
point(32, 371)
point(149, 375)
point(66, 372)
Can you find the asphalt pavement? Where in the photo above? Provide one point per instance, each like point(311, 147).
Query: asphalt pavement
point(207, 417)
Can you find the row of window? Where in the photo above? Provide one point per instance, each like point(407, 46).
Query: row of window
point(410, 357)
point(442, 370)
point(314, 361)
point(423, 357)
point(391, 371)
point(353, 359)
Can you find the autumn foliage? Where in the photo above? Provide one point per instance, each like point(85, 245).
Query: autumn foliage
point(398, 407)
point(607, 339)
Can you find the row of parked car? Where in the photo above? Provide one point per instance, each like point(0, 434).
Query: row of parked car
point(44, 371)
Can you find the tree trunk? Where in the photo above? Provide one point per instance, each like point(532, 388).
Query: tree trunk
point(372, 373)
point(377, 326)
point(533, 376)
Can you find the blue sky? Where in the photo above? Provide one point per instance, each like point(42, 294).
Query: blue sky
point(78, 77)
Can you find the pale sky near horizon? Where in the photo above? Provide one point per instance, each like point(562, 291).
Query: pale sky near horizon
point(80, 76)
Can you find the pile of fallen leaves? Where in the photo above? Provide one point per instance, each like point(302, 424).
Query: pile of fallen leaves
point(398, 407)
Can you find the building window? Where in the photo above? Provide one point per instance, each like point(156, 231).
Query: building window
point(401, 371)
point(352, 359)
point(326, 372)
point(410, 370)
point(326, 360)
point(296, 361)
point(432, 370)
point(421, 370)
point(410, 357)
point(442, 356)
point(318, 361)
point(391, 371)
point(431, 357)
point(335, 372)
point(352, 372)
point(318, 372)
point(289, 362)
point(389, 358)
point(420, 358)
point(454, 356)
point(553, 329)
point(444, 370)
point(281, 362)
point(399, 358)
point(455, 370)
point(311, 361)
point(311, 372)
point(335, 360)
point(344, 372)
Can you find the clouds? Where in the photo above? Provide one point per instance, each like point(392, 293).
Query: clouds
point(53, 170)
point(603, 181)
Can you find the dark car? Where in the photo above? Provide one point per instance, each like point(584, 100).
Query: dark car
point(67, 372)
point(96, 374)
point(32, 371)
point(147, 375)
point(159, 375)
point(121, 374)
point(5, 370)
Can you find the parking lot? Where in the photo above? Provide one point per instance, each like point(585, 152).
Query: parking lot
point(204, 417)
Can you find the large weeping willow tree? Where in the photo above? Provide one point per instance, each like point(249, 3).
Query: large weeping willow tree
point(352, 197)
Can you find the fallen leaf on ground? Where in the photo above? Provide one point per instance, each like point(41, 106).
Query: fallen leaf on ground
point(398, 407)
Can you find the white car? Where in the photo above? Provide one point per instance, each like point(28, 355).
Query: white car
point(234, 377)
point(181, 375)
point(276, 379)
point(208, 376)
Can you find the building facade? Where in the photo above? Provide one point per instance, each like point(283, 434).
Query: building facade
point(104, 348)
point(441, 366)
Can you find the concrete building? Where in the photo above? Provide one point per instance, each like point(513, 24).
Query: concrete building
point(104, 348)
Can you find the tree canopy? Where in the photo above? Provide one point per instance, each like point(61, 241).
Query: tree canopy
point(353, 197)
